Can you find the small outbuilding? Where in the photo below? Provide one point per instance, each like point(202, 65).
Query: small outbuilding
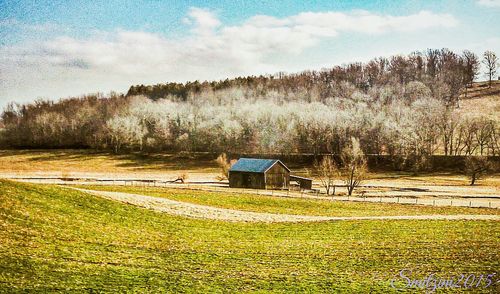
point(304, 183)
point(259, 174)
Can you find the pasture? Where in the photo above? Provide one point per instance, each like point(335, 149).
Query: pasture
point(58, 239)
point(55, 238)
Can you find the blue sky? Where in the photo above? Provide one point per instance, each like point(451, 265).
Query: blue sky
point(53, 49)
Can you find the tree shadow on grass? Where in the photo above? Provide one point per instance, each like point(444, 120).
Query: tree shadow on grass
point(134, 160)
point(166, 161)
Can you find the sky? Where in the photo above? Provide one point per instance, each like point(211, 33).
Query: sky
point(56, 49)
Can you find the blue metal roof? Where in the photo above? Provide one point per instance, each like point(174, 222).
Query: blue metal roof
point(254, 165)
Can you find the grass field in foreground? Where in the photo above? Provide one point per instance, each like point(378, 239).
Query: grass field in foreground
point(261, 203)
point(55, 239)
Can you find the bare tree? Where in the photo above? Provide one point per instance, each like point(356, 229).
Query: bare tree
point(354, 165)
point(466, 141)
point(126, 130)
point(494, 144)
point(452, 74)
point(476, 167)
point(327, 171)
point(224, 166)
point(484, 133)
point(448, 124)
point(490, 60)
point(472, 66)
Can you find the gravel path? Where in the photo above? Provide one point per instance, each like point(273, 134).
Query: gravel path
point(209, 212)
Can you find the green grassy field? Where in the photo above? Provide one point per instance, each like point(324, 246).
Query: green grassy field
point(261, 203)
point(55, 239)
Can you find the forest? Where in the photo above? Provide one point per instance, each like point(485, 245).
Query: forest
point(403, 106)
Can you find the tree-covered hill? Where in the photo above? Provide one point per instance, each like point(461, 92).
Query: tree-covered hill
point(408, 107)
point(443, 71)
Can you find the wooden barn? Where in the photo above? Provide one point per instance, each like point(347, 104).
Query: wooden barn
point(259, 174)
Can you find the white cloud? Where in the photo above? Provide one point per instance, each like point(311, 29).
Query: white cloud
point(204, 21)
point(489, 3)
point(66, 65)
point(365, 22)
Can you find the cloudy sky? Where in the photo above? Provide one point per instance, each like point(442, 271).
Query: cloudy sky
point(53, 49)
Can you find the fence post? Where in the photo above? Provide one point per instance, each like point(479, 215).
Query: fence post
point(470, 203)
point(434, 202)
point(451, 203)
point(490, 204)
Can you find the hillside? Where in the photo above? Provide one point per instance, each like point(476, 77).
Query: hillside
point(481, 99)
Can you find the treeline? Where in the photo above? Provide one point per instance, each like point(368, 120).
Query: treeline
point(405, 119)
point(443, 71)
point(70, 123)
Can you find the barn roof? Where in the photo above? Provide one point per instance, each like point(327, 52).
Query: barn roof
point(299, 177)
point(255, 165)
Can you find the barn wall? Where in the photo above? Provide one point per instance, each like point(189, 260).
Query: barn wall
point(246, 180)
point(277, 177)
